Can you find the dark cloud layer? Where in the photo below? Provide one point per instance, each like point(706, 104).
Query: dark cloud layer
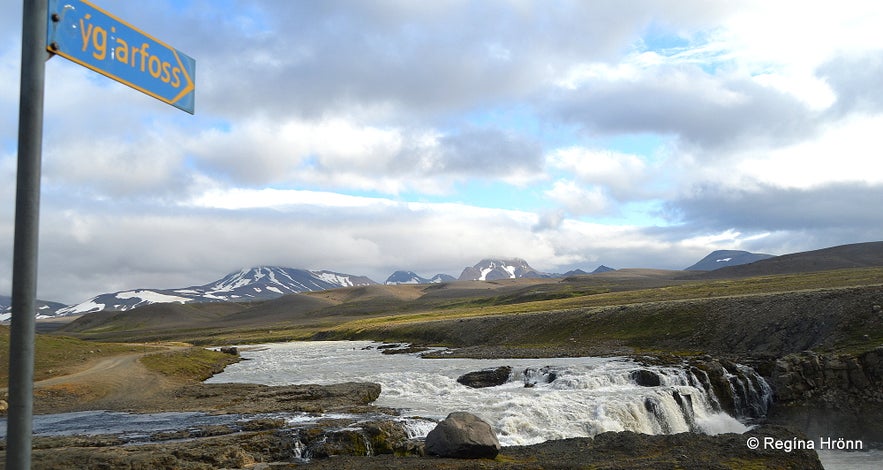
point(855, 79)
point(704, 111)
point(771, 209)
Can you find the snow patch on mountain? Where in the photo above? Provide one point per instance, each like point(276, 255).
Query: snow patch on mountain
point(150, 296)
point(85, 307)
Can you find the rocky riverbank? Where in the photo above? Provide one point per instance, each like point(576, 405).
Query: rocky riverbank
point(263, 447)
point(370, 437)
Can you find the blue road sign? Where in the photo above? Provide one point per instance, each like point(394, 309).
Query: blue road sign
point(80, 31)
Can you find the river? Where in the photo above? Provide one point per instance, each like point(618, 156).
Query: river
point(544, 399)
point(588, 395)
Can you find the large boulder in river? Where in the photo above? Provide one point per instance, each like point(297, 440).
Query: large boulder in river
point(464, 436)
point(645, 378)
point(486, 378)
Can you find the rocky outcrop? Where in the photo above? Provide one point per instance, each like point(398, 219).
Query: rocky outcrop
point(464, 436)
point(831, 394)
point(834, 379)
point(486, 378)
point(363, 439)
point(645, 378)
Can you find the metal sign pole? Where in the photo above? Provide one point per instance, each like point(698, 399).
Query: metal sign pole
point(27, 219)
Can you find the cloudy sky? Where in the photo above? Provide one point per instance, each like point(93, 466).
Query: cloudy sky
point(369, 136)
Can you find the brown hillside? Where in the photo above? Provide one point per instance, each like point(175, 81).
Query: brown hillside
point(859, 255)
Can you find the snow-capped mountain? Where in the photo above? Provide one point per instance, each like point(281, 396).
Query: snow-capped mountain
point(45, 309)
point(409, 277)
point(260, 283)
point(268, 282)
point(723, 258)
point(493, 269)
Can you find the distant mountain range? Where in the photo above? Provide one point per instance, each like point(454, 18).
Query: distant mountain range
point(409, 277)
point(489, 269)
point(269, 282)
point(260, 283)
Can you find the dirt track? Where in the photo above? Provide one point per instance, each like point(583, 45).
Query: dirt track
point(123, 383)
point(113, 383)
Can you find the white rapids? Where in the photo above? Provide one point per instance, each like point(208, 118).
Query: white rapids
point(587, 396)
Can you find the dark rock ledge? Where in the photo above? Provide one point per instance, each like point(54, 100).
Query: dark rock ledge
point(280, 449)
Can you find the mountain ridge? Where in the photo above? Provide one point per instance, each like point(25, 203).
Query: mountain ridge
point(854, 255)
point(269, 282)
point(249, 284)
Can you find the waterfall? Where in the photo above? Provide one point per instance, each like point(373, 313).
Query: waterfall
point(544, 399)
point(758, 395)
point(650, 399)
point(417, 427)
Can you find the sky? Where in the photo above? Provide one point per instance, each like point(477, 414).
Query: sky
point(365, 137)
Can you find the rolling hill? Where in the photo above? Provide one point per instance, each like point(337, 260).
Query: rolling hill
point(858, 255)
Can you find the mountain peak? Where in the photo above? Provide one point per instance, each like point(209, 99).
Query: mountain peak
point(410, 277)
point(722, 258)
point(491, 269)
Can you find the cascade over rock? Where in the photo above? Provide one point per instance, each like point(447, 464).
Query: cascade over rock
point(737, 389)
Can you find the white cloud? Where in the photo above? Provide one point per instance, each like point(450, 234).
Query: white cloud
point(782, 44)
point(579, 200)
point(845, 151)
point(622, 173)
point(262, 151)
point(115, 166)
point(241, 198)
